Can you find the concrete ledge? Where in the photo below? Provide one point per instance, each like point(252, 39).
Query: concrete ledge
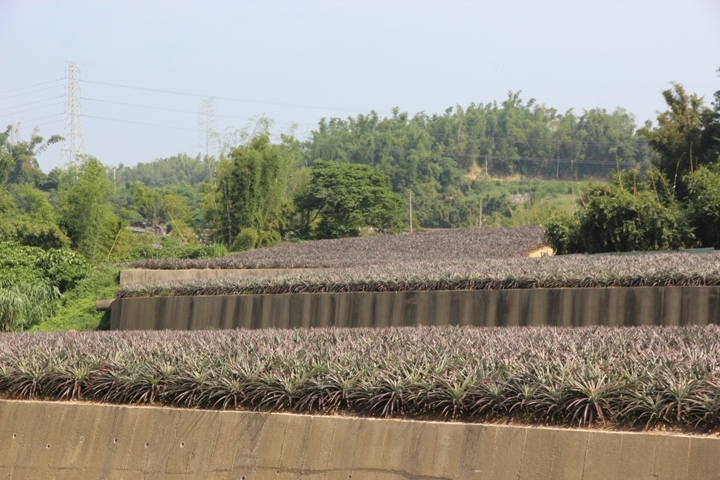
point(104, 305)
point(140, 275)
point(559, 307)
point(91, 441)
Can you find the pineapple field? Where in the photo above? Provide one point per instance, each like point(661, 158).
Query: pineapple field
point(441, 245)
point(567, 271)
point(640, 378)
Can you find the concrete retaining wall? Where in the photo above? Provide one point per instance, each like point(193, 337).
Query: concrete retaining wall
point(90, 441)
point(138, 275)
point(561, 307)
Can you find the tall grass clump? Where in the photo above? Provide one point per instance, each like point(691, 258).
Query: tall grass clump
point(25, 305)
point(32, 283)
point(638, 378)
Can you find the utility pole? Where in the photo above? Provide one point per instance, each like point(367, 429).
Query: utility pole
point(411, 217)
point(486, 168)
point(557, 171)
point(74, 143)
point(480, 217)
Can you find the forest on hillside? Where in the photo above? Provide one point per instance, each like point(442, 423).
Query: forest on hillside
point(450, 163)
point(510, 163)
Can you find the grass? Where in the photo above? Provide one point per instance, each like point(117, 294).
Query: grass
point(78, 306)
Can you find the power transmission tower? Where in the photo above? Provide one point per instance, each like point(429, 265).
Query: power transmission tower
point(73, 143)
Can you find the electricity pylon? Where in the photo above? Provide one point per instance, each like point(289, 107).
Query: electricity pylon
point(73, 144)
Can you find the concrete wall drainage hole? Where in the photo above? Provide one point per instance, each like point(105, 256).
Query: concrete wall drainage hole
point(147, 445)
point(182, 444)
point(14, 436)
point(47, 446)
point(82, 439)
point(114, 440)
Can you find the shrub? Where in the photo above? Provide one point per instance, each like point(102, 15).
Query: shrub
point(57, 268)
point(171, 247)
point(245, 240)
point(24, 305)
point(77, 310)
point(623, 216)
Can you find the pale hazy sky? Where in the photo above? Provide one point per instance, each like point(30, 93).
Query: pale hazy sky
point(298, 61)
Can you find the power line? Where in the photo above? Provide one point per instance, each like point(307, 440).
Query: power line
point(32, 103)
point(470, 139)
point(139, 123)
point(158, 108)
point(46, 123)
point(230, 99)
point(173, 110)
point(30, 109)
point(40, 118)
point(28, 93)
point(30, 86)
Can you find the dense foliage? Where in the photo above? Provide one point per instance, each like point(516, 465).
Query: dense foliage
point(173, 248)
point(632, 377)
point(687, 135)
point(342, 198)
point(32, 281)
point(623, 216)
point(25, 265)
point(77, 307)
point(572, 271)
point(675, 206)
point(251, 194)
point(458, 244)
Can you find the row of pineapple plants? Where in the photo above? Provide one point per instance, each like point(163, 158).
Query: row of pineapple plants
point(567, 271)
point(443, 245)
point(649, 377)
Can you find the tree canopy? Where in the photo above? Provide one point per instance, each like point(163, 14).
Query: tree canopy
point(342, 198)
point(251, 193)
point(676, 206)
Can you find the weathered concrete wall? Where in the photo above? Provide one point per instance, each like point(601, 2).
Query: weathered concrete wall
point(90, 441)
point(561, 307)
point(138, 275)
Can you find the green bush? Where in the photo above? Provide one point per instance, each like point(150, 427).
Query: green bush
point(245, 240)
point(77, 310)
point(171, 247)
point(704, 204)
point(623, 216)
point(32, 281)
point(57, 268)
point(23, 305)
point(29, 232)
point(562, 233)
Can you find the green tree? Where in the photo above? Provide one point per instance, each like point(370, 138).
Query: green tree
point(7, 162)
point(342, 198)
point(252, 193)
point(85, 213)
point(623, 216)
point(21, 165)
point(149, 203)
point(704, 203)
point(679, 136)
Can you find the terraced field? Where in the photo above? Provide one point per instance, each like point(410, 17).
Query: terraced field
point(440, 246)
point(635, 378)
point(569, 271)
